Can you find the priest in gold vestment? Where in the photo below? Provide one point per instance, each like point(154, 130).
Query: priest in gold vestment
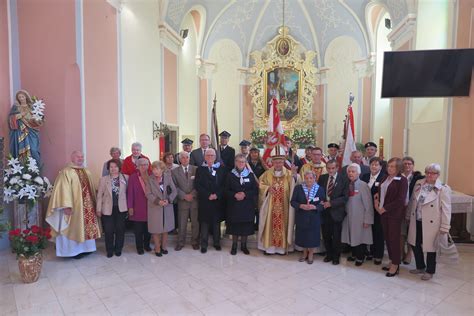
point(316, 164)
point(276, 217)
point(71, 211)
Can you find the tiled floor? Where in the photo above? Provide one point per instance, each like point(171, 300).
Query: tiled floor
point(190, 283)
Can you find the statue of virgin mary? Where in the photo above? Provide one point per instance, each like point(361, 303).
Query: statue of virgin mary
point(24, 129)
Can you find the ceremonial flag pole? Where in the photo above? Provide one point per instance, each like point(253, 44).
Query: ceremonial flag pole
point(215, 129)
point(349, 144)
point(275, 135)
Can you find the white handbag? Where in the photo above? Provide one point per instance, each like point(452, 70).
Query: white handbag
point(447, 250)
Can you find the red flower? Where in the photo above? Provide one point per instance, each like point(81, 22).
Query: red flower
point(35, 229)
point(14, 232)
point(32, 239)
point(48, 236)
point(47, 231)
point(26, 231)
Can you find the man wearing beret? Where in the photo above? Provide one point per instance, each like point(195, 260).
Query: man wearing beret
point(227, 152)
point(187, 147)
point(370, 152)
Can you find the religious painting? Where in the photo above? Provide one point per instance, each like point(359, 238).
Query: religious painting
point(283, 84)
point(283, 46)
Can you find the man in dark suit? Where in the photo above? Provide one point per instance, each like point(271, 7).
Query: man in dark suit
point(373, 179)
point(227, 152)
point(187, 147)
point(245, 147)
point(337, 191)
point(356, 157)
point(197, 155)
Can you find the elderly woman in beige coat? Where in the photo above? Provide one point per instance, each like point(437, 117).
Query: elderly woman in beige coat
point(429, 216)
point(112, 206)
point(160, 193)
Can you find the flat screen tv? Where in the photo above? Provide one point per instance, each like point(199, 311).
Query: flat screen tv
point(427, 73)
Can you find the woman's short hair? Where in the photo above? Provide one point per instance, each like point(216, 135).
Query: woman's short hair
point(409, 159)
point(158, 165)
point(311, 172)
point(398, 163)
point(240, 156)
point(143, 161)
point(354, 166)
point(376, 159)
point(433, 167)
point(114, 149)
point(115, 161)
point(166, 155)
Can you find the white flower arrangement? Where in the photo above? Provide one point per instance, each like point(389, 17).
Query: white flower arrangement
point(23, 181)
point(38, 109)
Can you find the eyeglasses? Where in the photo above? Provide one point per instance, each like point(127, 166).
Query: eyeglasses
point(432, 173)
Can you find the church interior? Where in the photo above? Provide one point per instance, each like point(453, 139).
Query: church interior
point(117, 73)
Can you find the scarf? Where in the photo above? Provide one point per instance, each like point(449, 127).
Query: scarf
point(310, 192)
point(243, 174)
point(214, 166)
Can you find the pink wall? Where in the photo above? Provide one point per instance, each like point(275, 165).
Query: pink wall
point(101, 90)
point(170, 77)
point(4, 72)
point(461, 171)
point(202, 106)
point(49, 71)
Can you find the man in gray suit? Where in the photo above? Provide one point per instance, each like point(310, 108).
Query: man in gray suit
point(183, 178)
point(197, 155)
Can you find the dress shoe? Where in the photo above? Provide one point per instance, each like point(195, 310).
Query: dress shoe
point(79, 256)
point(218, 247)
point(368, 258)
point(377, 262)
point(335, 262)
point(118, 253)
point(390, 275)
point(140, 252)
point(110, 255)
point(385, 268)
point(203, 250)
point(417, 271)
point(327, 259)
point(405, 262)
point(244, 249)
point(178, 248)
point(147, 248)
point(351, 259)
point(233, 250)
point(195, 247)
point(158, 254)
point(358, 263)
point(426, 276)
point(164, 251)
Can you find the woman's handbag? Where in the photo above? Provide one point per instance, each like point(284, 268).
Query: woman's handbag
point(447, 250)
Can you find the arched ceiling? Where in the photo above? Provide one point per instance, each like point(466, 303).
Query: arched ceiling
point(252, 23)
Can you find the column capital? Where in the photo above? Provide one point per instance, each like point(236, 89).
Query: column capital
point(323, 75)
point(365, 67)
point(205, 68)
point(403, 32)
point(169, 38)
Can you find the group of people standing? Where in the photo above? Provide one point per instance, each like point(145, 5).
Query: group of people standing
point(294, 203)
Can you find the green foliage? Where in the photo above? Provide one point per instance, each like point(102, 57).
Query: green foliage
point(304, 137)
point(258, 137)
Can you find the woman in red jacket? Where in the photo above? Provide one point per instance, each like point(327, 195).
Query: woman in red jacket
point(390, 204)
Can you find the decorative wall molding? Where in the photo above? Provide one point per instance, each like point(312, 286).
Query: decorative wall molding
point(245, 75)
point(169, 38)
point(403, 32)
point(323, 75)
point(117, 4)
point(365, 67)
point(205, 68)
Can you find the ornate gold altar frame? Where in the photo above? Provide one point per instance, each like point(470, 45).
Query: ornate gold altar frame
point(283, 51)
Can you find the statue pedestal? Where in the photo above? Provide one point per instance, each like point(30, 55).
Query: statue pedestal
point(25, 216)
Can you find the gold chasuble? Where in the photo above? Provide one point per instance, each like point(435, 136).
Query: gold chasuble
point(276, 223)
point(318, 169)
point(74, 189)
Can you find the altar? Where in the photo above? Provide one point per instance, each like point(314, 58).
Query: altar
point(462, 221)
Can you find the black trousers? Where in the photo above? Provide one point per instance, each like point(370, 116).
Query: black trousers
point(419, 255)
point(332, 236)
point(216, 233)
point(377, 248)
point(175, 211)
point(142, 236)
point(358, 252)
point(114, 229)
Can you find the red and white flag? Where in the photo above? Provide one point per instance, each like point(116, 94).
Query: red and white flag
point(275, 132)
point(350, 144)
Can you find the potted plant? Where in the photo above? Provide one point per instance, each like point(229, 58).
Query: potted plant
point(27, 245)
point(303, 137)
point(259, 137)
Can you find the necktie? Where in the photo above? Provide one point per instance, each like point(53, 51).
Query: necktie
point(331, 186)
point(186, 172)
